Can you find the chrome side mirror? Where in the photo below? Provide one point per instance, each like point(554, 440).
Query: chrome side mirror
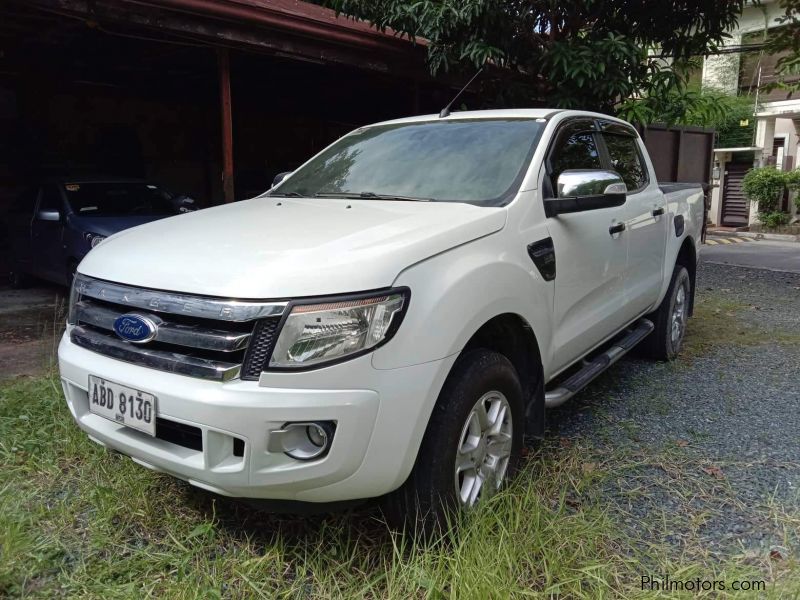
point(48, 215)
point(586, 189)
point(280, 177)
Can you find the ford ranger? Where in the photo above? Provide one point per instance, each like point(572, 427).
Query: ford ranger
point(392, 318)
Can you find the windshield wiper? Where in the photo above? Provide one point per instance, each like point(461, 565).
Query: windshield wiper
point(369, 196)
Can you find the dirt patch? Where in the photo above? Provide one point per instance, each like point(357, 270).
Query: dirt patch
point(31, 322)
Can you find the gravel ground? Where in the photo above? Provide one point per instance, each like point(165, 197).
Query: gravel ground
point(704, 453)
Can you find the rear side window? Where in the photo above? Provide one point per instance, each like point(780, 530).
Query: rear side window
point(626, 160)
point(575, 148)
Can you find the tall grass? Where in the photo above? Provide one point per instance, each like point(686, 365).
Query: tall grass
point(79, 521)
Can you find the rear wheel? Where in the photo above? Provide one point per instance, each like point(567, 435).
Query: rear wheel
point(670, 319)
point(471, 447)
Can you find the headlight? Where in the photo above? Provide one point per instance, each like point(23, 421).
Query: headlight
point(330, 331)
point(94, 239)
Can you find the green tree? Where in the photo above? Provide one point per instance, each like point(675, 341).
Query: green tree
point(589, 54)
point(732, 116)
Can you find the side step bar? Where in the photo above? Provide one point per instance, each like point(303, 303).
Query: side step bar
point(592, 368)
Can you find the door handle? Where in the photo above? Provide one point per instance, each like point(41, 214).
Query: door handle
point(658, 212)
point(618, 228)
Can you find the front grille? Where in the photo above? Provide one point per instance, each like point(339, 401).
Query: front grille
point(260, 348)
point(195, 335)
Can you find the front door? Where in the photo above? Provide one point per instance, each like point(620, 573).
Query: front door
point(735, 207)
point(47, 244)
point(590, 261)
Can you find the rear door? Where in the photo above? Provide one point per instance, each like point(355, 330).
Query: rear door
point(590, 261)
point(645, 218)
point(47, 239)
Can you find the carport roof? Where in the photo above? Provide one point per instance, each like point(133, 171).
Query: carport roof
point(295, 15)
point(285, 27)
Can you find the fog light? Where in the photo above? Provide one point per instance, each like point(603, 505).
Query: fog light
point(303, 441)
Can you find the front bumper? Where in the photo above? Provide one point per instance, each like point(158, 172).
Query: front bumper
point(379, 425)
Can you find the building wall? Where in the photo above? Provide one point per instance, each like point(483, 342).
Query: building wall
point(721, 72)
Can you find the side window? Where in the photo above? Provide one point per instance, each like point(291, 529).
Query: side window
point(51, 198)
point(626, 160)
point(575, 148)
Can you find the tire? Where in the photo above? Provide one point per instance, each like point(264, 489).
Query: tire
point(665, 342)
point(429, 495)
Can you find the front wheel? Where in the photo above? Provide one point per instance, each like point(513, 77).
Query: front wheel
point(471, 447)
point(665, 342)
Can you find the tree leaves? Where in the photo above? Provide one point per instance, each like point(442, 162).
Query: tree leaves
point(590, 54)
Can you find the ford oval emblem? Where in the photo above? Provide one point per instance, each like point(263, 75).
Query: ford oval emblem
point(135, 328)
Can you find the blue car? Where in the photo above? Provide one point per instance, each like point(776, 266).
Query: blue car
point(53, 225)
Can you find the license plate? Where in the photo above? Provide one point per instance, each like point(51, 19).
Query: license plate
point(122, 404)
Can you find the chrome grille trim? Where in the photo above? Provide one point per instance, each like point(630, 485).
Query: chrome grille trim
point(197, 336)
point(177, 304)
point(192, 336)
point(155, 359)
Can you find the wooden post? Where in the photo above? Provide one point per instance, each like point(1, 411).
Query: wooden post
point(227, 124)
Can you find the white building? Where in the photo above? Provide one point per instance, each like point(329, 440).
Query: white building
point(777, 115)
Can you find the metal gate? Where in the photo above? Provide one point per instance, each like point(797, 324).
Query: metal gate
point(679, 154)
point(735, 207)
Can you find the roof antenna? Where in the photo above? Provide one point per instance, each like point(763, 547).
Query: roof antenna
point(446, 110)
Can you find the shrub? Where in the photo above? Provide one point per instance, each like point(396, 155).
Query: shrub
point(773, 219)
point(766, 186)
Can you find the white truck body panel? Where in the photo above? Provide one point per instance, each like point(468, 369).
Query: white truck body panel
point(463, 264)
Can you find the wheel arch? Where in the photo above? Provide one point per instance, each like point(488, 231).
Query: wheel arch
point(687, 257)
point(512, 336)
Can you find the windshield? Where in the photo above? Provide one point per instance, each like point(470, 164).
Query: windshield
point(118, 199)
point(476, 161)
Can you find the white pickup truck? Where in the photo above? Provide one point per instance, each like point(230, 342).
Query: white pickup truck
point(390, 319)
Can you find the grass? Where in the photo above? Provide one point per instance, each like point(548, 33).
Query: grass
point(78, 521)
point(585, 519)
point(717, 323)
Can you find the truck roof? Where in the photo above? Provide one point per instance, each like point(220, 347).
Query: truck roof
point(505, 113)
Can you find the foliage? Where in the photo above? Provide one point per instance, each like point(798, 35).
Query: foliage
point(793, 180)
point(589, 54)
point(785, 40)
point(730, 132)
point(767, 186)
point(691, 106)
point(773, 219)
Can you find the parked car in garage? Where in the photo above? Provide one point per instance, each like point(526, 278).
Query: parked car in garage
point(54, 224)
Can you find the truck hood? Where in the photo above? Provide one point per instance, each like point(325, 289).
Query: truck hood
point(287, 247)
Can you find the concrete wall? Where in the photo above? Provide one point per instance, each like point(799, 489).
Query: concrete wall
point(721, 72)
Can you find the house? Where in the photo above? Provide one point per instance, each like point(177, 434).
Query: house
point(743, 67)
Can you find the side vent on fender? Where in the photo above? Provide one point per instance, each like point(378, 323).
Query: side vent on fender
point(543, 256)
point(678, 225)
